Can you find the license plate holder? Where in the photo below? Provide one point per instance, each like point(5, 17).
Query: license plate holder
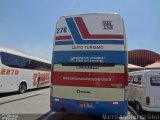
point(86, 105)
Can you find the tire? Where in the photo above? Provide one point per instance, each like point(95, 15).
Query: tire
point(22, 88)
point(138, 108)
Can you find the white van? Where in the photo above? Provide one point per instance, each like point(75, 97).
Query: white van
point(144, 90)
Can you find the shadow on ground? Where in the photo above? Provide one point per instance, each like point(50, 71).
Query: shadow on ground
point(65, 116)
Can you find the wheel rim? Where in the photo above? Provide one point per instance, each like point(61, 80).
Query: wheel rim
point(22, 88)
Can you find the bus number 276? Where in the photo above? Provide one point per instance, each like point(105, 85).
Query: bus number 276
point(61, 30)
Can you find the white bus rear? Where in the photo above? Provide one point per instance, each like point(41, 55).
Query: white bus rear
point(89, 65)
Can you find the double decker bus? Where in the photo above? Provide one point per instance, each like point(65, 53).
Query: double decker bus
point(20, 72)
point(89, 65)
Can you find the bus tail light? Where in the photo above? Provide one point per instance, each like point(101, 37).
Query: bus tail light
point(120, 107)
point(147, 100)
point(126, 76)
point(112, 103)
point(52, 68)
point(59, 99)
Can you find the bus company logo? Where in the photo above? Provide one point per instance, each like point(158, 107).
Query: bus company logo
point(80, 91)
point(41, 79)
point(107, 25)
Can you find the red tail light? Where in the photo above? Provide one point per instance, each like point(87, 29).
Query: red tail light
point(52, 68)
point(110, 103)
point(126, 76)
point(147, 100)
point(120, 107)
point(61, 100)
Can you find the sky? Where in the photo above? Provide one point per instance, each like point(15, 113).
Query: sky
point(29, 25)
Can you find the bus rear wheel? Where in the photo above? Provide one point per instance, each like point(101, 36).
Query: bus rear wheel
point(22, 88)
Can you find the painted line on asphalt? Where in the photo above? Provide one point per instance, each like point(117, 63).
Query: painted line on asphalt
point(21, 97)
point(9, 101)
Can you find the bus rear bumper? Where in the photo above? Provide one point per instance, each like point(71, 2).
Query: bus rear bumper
point(89, 107)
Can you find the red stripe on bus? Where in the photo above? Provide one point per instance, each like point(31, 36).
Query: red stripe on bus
point(86, 35)
point(66, 37)
point(89, 79)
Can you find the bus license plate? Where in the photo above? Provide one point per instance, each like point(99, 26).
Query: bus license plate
point(86, 105)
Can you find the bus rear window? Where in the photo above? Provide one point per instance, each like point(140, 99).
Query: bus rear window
point(155, 80)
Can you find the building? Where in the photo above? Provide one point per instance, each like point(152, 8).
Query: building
point(142, 57)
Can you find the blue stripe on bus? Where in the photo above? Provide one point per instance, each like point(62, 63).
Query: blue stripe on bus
point(78, 39)
point(89, 42)
point(64, 42)
point(117, 57)
point(99, 107)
